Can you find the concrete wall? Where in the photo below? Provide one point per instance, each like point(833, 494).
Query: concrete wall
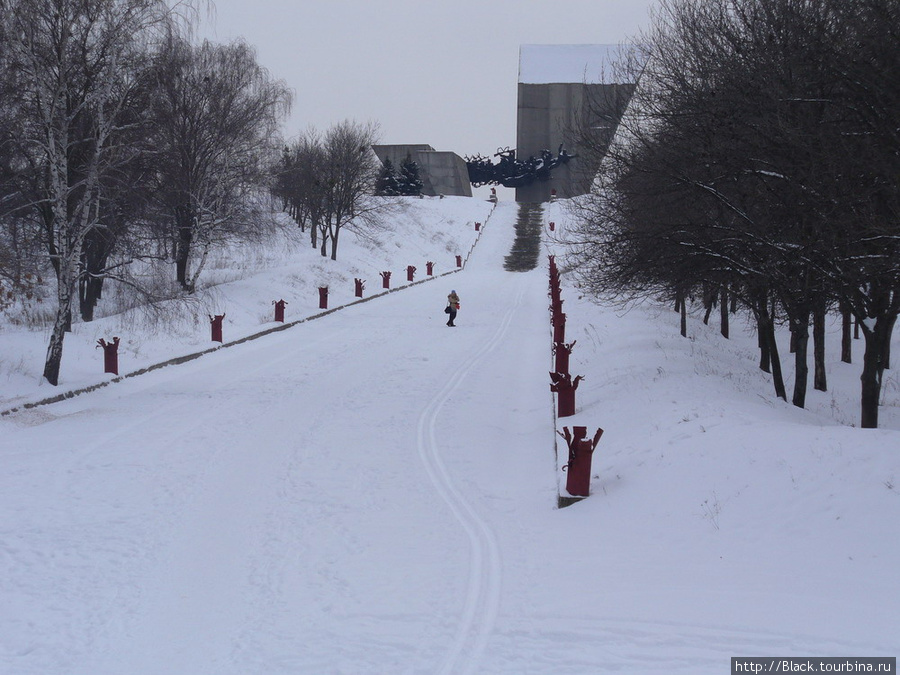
point(447, 173)
point(442, 173)
point(560, 113)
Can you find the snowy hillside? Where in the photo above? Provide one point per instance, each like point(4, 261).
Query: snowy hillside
point(374, 492)
point(242, 283)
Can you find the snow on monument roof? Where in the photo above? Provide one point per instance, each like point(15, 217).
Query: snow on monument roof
point(546, 64)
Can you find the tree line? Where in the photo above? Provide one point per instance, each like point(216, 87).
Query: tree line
point(758, 164)
point(121, 139)
point(328, 181)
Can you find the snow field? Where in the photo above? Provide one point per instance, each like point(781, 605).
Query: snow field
point(373, 492)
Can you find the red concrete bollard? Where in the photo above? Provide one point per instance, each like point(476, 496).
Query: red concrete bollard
point(360, 285)
point(385, 279)
point(216, 325)
point(578, 470)
point(429, 268)
point(110, 355)
point(477, 227)
point(552, 194)
point(410, 272)
point(559, 327)
point(459, 261)
point(562, 352)
point(564, 387)
point(552, 226)
point(279, 309)
point(323, 297)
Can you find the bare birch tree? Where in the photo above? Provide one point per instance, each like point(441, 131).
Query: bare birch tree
point(73, 63)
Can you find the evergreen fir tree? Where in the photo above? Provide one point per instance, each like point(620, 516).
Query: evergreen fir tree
point(410, 182)
point(388, 184)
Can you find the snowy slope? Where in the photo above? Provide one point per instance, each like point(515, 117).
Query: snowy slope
point(373, 492)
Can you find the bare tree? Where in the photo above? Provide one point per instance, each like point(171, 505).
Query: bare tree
point(298, 182)
point(330, 182)
point(759, 156)
point(73, 63)
point(215, 120)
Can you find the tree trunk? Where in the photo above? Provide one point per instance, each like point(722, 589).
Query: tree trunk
point(768, 344)
point(95, 252)
point(820, 379)
point(709, 302)
point(765, 357)
point(185, 236)
point(800, 340)
point(90, 290)
point(334, 244)
point(846, 337)
point(886, 359)
point(723, 311)
point(875, 338)
point(62, 324)
point(683, 304)
point(759, 304)
point(777, 376)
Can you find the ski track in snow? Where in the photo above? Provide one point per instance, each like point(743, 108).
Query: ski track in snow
point(485, 573)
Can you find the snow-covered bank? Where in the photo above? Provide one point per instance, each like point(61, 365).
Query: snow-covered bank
point(243, 283)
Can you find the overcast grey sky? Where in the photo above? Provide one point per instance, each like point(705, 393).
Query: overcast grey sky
point(442, 73)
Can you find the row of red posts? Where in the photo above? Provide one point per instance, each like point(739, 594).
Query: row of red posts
point(111, 349)
point(581, 447)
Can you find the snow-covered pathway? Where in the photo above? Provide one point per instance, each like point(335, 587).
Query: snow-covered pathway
point(373, 493)
point(309, 502)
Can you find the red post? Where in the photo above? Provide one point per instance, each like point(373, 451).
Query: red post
point(552, 194)
point(552, 226)
point(410, 272)
point(279, 310)
point(459, 261)
point(559, 327)
point(110, 355)
point(493, 197)
point(477, 227)
point(429, 268)
point(578, 470)
point(323, 297)
point(360, 285)
point(562, 352)
point(556, 303)
point(385, 279)
point(564, 387)
point(216, 324)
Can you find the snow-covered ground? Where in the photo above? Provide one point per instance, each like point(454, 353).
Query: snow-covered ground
point(373, 492)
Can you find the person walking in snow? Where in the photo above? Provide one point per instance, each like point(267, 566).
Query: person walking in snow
point(452, 308)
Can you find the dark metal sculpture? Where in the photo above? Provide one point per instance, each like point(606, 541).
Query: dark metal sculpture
point(512, 172)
